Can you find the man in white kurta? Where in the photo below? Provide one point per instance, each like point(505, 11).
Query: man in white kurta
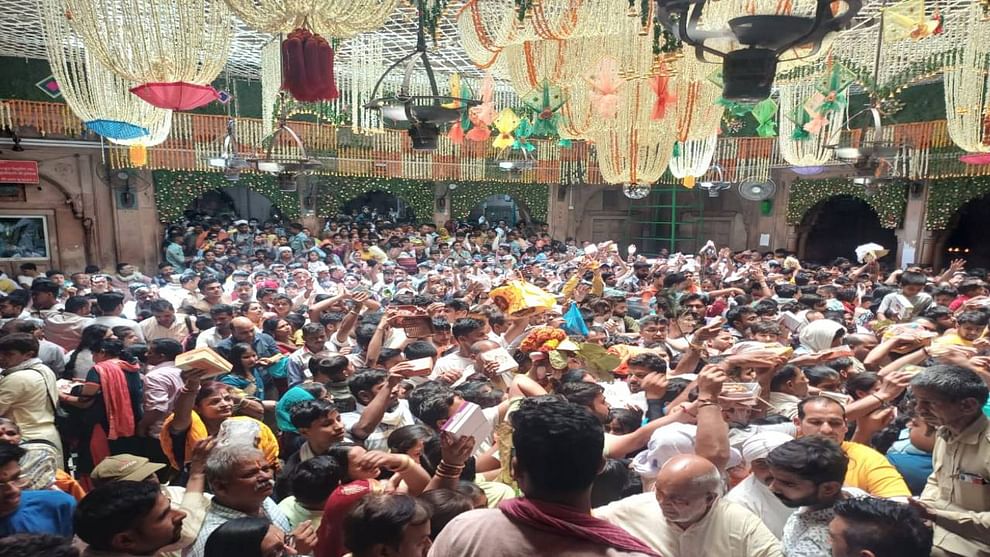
point(704, 523)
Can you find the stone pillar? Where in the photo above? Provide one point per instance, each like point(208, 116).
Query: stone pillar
point(911, 235)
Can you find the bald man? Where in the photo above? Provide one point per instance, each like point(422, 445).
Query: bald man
point(242, 330)
point(686, 516)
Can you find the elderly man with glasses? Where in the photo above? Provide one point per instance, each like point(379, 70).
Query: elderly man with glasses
point(242, 482)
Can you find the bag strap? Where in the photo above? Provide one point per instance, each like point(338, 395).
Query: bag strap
point(53, 402)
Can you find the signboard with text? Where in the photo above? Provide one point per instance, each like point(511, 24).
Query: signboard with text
point(18, 172)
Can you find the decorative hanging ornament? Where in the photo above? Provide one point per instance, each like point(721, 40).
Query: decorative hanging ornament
point(307, 67)
point(329, 18)
point(798, 146)
point(173, 49)
point(483, 115)
point(545, 102)
point(665, 96)
point(967, 88)
point(605, 84)
point(505, 123)
point(765, 113)
point(907, 20)
point(636, 191)
point(96, 95)
point(691, 159)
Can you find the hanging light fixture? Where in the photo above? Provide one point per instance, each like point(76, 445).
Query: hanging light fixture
point(228, 158)
point(636, 191)
point(172, 49)
point(95, 94)
point(423, 114)
point(286, 162)
point(751, 44)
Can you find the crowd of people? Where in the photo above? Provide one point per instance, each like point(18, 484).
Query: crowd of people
point(410, 390)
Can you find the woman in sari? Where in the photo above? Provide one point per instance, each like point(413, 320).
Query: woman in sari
point(359, 477)
point(244, 374)
point(281, 330)
point(201, 408)
point(107, 406)
point(253, 311)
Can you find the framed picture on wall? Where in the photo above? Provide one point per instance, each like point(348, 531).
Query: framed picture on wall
point(24, 237)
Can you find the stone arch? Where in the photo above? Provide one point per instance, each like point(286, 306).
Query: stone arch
point(888, 201)
point(946, 197)
point(531, 198)
point(175, 190)
point(965, 234)
point(335, 191)
point(380, 199)
point(834, 226)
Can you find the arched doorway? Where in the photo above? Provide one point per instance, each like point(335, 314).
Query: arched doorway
point(380, 204)
point(235, 202)
point(967, 239)
point(834, 227)
point(498, 207)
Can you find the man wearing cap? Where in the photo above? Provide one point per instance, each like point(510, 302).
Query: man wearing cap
point(191, 500)
point(244, 236)
point(754, 491)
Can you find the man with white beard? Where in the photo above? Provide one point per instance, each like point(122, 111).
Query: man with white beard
point(686, 517)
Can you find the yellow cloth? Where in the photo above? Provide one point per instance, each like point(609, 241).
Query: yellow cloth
point(962, 508)
point(571, 284)
point(952, 339)
point(197, 432)
point(7, 286)
point(597, 284)
point(871, 472)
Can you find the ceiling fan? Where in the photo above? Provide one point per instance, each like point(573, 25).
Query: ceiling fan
point(716, 186)
point(876, 159)
point(228, 159)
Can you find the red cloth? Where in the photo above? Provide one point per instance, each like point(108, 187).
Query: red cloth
point(958, 302)
point(330, 536)
point(565, 521)
point(116, 396)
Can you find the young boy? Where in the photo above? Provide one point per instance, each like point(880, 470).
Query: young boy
point(333, 370)
point(912, 284)
point(311, 484)
point(314, 340)
point(318, 422)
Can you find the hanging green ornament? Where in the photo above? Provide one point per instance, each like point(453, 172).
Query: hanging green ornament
point(765, 113)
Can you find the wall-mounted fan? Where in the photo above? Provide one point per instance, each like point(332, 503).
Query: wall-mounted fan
point(757, 190)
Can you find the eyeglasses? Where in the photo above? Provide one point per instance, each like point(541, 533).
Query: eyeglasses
point(19, 482)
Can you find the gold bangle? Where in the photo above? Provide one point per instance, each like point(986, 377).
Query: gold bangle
point(407, 461)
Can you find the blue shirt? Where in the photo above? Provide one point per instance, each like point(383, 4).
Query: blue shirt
point(41, 512)
point(913, 463)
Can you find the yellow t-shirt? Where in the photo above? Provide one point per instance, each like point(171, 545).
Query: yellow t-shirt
point(871, 472)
